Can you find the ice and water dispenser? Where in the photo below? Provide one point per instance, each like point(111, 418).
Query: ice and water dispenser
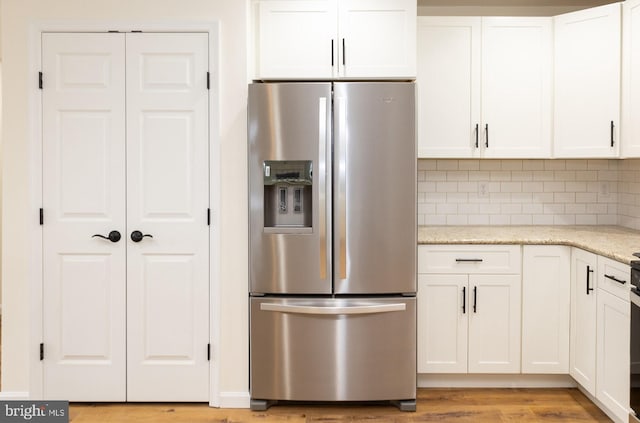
point(288, 186)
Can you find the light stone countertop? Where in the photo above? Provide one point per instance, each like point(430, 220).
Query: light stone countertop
point(614, 242)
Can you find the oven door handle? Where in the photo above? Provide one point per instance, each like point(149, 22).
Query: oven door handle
point(361, 309)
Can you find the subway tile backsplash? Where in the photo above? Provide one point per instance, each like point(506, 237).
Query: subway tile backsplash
point(529, 192)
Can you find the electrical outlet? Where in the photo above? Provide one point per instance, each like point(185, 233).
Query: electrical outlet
point(604, 189)
point(483, 189)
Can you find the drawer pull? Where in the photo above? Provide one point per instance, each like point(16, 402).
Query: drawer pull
point(613, 278)
point(462, 260)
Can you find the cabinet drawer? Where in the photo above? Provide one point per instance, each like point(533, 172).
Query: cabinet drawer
point(474, 259)
point(614, 277)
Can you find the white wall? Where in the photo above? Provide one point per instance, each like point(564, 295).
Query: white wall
point(17, 19)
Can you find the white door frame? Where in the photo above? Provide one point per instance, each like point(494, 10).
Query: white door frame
point(34, 96)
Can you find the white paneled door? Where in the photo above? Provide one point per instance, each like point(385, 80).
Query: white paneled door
point(125, 230)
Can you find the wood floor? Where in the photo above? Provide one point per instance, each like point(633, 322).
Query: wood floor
point(434, 405)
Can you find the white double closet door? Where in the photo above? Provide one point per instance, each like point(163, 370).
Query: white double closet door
point(125, 148)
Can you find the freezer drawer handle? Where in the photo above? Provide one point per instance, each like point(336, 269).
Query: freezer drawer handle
point(462, 260)
point(613, 278)
point(364, 309)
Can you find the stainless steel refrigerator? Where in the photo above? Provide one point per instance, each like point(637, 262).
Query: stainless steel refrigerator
point(332, 234)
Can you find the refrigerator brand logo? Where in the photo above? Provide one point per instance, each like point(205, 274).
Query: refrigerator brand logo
point(388, 100)
point(29, 411)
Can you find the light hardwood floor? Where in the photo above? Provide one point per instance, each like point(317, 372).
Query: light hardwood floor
point(434, 405)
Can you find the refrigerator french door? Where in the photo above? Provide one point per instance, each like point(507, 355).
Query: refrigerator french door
point(332, 181)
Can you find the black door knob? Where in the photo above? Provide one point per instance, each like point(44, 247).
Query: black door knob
point(114, 236)
point(136, 236)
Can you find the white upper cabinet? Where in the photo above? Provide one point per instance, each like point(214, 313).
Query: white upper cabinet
point(296, 39)
point(516, 87)
point(630, 143)
point(377, 38)
point(308, 39)
point(587, 82)
point(512, 117)
point(448, 86)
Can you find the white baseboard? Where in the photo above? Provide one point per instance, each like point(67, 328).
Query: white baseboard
point(14, 396)
point(494, 381)
point(234, 400)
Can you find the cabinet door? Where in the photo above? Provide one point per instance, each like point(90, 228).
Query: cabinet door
point(377, 38)
point(582, 360)
point(630, 143)
point(494, 323)
point(516, 87)
point(546, 274)
point(448, 85)
point(587, 82)
point(613, 360)
point(297, 39)
point(443, 307)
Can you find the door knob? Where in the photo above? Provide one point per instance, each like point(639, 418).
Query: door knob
point(136, 236)
point(114, 236)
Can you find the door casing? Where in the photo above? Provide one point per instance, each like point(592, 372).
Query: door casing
point(35, 277)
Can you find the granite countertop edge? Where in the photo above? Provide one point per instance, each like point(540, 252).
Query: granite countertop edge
point(615, 242)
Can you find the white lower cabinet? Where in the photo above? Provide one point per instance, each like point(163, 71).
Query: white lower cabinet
point(546, 271)
point(535, 309)
point(468, 322)
point(612, 337)
point(582, 362)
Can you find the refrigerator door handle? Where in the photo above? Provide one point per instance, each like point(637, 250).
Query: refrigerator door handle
point(361, 309)
point(322, 177)
point(342, 185)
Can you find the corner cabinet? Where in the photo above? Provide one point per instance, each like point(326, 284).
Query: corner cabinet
point(484, 87)
point(582, 361)
point(587, 83)
point(327, 39)
point(469, 309)
point(630, 145)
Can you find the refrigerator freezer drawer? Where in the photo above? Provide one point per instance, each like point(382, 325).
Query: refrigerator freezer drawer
point(306, 349)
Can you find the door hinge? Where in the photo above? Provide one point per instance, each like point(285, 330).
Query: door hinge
point(208, 352)
point(208, 217)
point(40, 80)
point(41, 216)
point(208, 80)
point(41, 351)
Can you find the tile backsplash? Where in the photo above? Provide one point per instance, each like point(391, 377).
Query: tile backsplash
point(529, 192)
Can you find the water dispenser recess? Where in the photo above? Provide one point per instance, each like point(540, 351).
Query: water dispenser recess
point(288, 193)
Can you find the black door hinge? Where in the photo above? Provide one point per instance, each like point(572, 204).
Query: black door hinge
point(41, 216)
point(41, 351)
point(208, 217)
point(208, 80)
point(208, 352)
point(40, 80)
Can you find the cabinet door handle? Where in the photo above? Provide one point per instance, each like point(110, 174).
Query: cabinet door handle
point(472, 260)
point(589, 271)
point(464, 299)
point(332, 53)
point(486, 134)
point(477, 135)
point(613, 278)
point(344, 54)
point(475, 299)
point(612, 126)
